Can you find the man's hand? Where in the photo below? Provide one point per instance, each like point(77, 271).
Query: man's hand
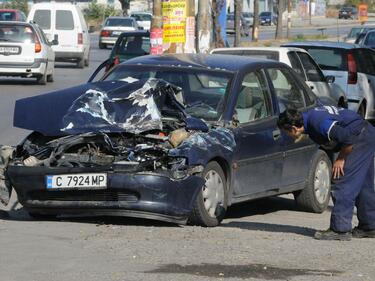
point(338, 168)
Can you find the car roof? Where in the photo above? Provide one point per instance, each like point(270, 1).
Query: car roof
point(16, 23)
point(327, 44)
point(116, 17)
point(229, 63)
point(271, 49)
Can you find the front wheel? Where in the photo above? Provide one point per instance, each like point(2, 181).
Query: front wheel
point(362, 110)
point(211, 203)
point(316, 194)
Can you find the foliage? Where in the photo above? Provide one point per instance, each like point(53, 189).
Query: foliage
point(16, 4)
point(99, 11)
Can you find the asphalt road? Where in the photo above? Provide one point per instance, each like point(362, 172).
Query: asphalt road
point(262, 240)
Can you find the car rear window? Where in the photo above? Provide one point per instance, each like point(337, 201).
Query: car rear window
point(119, 22)
point(142, 17)
point(329, 58)
point(133, 45)
point(64, 20)
point(7, 16)
point(43, 18)
point(16, 34)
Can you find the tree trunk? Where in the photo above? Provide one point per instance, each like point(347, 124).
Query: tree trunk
point(279, 26)
point(237, 22)
point(204, 27)
point(255, 31)
point(125, 5)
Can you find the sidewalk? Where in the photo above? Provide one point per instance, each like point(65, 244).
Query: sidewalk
point(317, 21)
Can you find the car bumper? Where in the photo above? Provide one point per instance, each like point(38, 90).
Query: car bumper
point(108, 40)
point(26, 70)
point(145, 195)
point(69, 55)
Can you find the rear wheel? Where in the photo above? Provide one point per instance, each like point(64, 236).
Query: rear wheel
point(87, 60)
point(211, 203)
point(315, 196)
point(42, 80)
point(362, 110)
point(81, 63)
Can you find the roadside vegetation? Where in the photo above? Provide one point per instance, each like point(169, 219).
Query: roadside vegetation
point(97, 13)
point(16, 4)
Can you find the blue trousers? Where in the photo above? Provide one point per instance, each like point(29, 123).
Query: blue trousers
point(356, 187)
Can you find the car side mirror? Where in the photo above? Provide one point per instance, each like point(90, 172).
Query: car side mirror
point(330, 79)
point(54, 42)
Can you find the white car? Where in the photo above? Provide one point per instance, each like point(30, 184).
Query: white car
point(65, 23)
point(302, 63)
point(25, 52)
point(113, 27)
point(143, 19)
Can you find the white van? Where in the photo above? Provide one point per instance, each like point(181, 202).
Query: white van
point(64, 22)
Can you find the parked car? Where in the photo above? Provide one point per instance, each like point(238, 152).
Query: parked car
point(368, 39)
point(129, 45)
point(353, 67)
point(113, 27)
point(12, 15)
point(302, 63)
point(356, 31)
point(348, 12)
point(65, 23)
point(143, 19)
point(267, 18)
point(25, 52)
point(177, 138)
point(244, 24)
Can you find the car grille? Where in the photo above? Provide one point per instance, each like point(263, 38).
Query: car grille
point(83, 195)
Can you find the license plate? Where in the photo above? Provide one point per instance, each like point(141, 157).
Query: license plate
point(116, 32)
point(9, 50)
point(77, 181)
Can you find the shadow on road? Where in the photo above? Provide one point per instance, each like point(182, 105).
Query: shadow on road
point(19, 82)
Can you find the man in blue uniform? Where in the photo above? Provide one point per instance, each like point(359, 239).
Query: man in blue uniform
point(343, 131)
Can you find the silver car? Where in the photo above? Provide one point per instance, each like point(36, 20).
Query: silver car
point(113, 27)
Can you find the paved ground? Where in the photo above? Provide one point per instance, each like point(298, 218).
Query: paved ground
point(261, 240)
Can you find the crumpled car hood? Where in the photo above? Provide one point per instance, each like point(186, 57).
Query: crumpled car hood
point(109, 106)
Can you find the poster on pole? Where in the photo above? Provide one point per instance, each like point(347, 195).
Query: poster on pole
point(174, 21)
point(362, 13)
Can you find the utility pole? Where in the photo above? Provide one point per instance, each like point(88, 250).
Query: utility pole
point(237, 22)
point(156, 34)
point(217, 8)
point(310, 12)
point(204, 26)
point(289, 22)
point(279, 26)
point(255, 31)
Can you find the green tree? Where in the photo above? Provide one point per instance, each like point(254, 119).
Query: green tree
point(16, 4)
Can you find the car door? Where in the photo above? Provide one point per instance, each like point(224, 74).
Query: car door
point(291, 93)
point(66, 27)
point(258, 155)
point(43, 17)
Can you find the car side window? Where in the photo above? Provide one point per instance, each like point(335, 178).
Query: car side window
point(313, 73)
point(365, 61)
point(296, 64)
point(288, 91)
point(252, 100)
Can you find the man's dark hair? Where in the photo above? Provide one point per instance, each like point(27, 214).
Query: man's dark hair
point(289, 118)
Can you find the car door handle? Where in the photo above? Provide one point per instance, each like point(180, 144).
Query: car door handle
point(276, 134)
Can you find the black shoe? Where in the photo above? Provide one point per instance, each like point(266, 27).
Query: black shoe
point(361, 233)
point(332, 235)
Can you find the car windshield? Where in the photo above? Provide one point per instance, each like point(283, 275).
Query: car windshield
point(203, 91)
point(328, 58)
point(142, 17)
point(16, 34)
point(265, 14)
point(354, 32)
point(133, 45)
point(119, 22)
point(7, 16)
point(247, 15)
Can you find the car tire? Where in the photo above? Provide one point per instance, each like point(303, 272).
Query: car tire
point(316, 194)
point(87, 60)
point(42, 80)
point(81, 63)
point(50, 78)
point(102, 46)
point(39, 216)
point(362, 110)
point(211, 203)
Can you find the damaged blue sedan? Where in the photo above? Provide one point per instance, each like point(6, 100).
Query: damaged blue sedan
point(176, 138)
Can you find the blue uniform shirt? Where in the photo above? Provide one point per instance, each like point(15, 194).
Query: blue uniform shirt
point(326, 124)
